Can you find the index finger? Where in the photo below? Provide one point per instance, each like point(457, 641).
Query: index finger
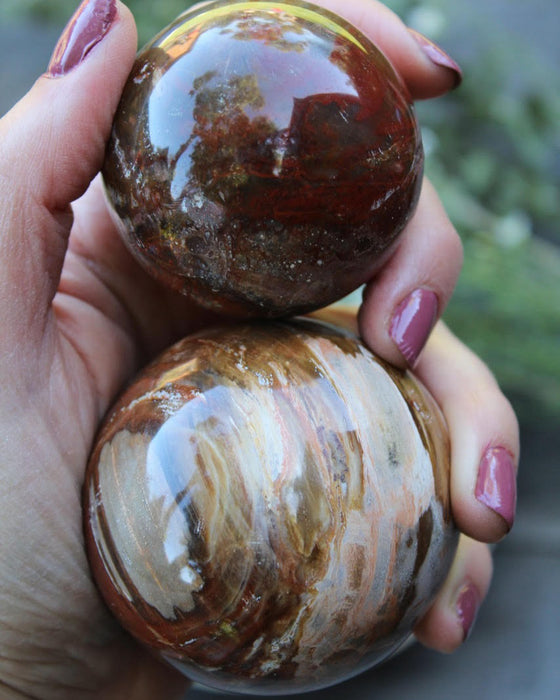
point(426, 69)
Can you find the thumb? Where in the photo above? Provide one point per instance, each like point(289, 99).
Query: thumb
point(52, 144)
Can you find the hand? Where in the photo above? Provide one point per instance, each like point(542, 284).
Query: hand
point(78, 318)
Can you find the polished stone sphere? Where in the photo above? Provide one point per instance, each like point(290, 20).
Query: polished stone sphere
point(264, 158)
point(267, 506)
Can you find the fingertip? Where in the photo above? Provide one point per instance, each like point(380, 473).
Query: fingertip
point(486, 511)
point(452, 617)
point(427, 70)
point(496, 483)
point(440, 59)
point(484, 436)
point(52, 144)
point(485, 449)
point(402, 304)
point(86, 28)
point(65, 119)
point(412, 322)
point(449, 624)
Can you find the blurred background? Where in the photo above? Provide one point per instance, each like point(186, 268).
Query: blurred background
point(493, 152)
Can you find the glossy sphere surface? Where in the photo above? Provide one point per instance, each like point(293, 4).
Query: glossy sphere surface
point(268, 506)
point(264, 157)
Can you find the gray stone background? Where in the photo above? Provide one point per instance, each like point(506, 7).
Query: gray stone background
point(514, 651)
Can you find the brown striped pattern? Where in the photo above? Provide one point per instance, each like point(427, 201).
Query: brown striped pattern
point(268, 505)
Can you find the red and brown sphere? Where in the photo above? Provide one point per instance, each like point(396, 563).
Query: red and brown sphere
point(264, 158)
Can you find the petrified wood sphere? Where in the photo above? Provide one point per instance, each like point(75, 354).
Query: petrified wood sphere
point(264, 157)
point(268, 506)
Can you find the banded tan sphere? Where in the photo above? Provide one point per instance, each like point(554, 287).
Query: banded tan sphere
point(267, 506)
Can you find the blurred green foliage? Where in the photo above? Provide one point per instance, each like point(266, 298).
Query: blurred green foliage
point(494, 156)
point(493, 153)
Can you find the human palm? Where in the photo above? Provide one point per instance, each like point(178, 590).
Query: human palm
point(79, 317)
point(65, 367)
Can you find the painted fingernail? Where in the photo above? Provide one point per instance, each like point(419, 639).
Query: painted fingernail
point(496, 486)
point(467, 606)
point(86, 28)
point(412, 322)
point(438, 56)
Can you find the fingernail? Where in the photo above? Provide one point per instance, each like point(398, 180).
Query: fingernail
point(467, 606)
point(438, 56)
point(86, 28)
point(412, 323)
point(496, 485)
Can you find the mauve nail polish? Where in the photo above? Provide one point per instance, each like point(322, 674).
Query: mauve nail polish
point(467, 605)
point(438, 56)
point(413, 321)
point(86, 28)
point(496, 485)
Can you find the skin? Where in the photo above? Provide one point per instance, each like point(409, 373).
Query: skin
point(78, 318)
